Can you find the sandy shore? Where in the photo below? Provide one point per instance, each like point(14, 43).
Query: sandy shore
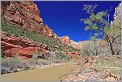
point(44, 73)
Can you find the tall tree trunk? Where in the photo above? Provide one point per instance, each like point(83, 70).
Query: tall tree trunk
point(111, 48)
point(110, 44)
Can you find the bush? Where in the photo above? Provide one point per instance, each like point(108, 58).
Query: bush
point(61, 56)
point(45, 62)
point(48, 54)
point(10, 65)
point(2, 55)
point(5, 70)
point(55, 56)
point(14, 64)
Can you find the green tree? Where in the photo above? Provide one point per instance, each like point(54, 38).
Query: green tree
point(99, 23)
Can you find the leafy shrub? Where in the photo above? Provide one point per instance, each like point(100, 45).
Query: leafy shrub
point(9, 62)
point(2, 55)
point(48, 54)
point(39, 62)
point(13, 64)
point(5, 70)
point(45, 62)
point(61, 56)
point(55, 56)
point(10, 65)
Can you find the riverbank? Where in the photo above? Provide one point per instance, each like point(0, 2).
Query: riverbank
point(46, 73)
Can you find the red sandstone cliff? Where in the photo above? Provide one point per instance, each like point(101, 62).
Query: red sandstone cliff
point(26, 15)
point(65, 39)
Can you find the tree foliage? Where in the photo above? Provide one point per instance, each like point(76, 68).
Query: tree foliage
point(99, 23)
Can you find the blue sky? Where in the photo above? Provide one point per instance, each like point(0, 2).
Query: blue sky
point(63, 17)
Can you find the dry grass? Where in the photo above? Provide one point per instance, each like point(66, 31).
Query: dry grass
point(108, 63)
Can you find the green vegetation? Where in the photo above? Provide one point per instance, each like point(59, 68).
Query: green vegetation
point(99, 25)
point(11, 65)
point(62, 56)
point(33, 36)
point(15, 64)
point(2, 55)
point(106, 63)
point(37, 54)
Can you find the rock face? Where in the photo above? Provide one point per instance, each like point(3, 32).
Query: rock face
point(65, 39)
point(117, 16)
point(73, 54)
point(26, 15)
point(49, 32)
point(21, 46)
point(79, 45)
point(76, 45)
